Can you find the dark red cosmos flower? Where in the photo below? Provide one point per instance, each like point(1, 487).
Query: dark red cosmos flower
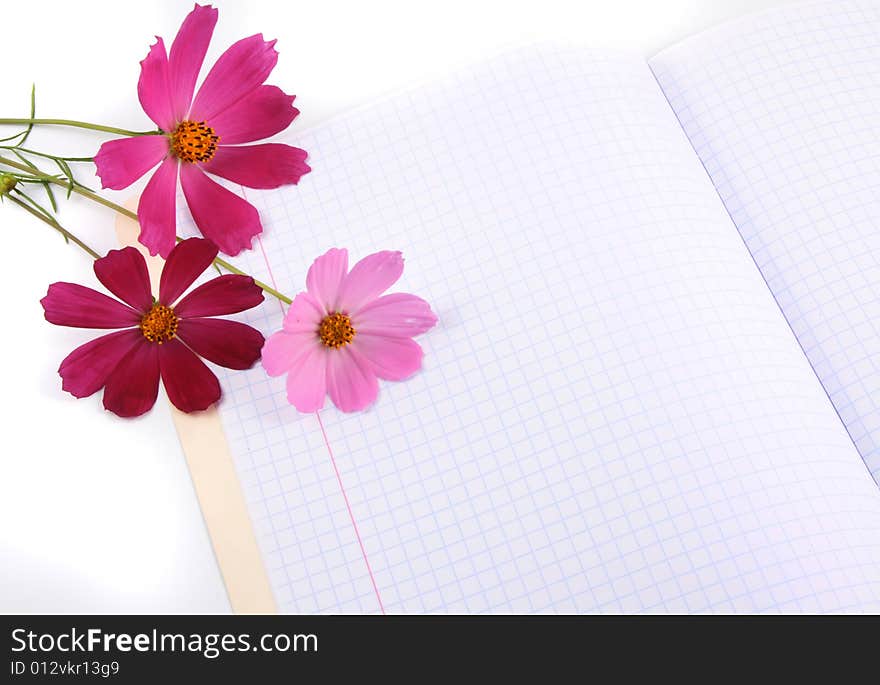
point(160, 338)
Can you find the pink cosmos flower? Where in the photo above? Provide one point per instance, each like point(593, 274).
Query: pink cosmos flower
point(159, 337)
point(340, 335)
point(202, 135)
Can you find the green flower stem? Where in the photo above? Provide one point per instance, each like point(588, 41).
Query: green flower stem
point(85, 192)
point(54, 224)
point(75, 124)
point(222, 263)
point(45, 155)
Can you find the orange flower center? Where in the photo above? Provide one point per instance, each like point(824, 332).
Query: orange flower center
point(159, 324)
point(194, 141)
point(336, 330)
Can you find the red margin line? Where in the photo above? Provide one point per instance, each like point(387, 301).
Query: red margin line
point(351, 514)
point(332, 458)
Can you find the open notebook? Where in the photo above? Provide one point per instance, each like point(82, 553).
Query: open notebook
point(655, 381)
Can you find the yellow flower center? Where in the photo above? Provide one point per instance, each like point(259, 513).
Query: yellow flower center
point(159, 324)
point(336, 330)
point(7, 183)
point(194, 141)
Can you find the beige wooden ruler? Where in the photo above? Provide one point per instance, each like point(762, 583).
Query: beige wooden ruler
point(216, 483)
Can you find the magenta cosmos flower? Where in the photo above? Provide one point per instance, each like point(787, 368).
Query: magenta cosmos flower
point(202, 135)
point(340, 335)
point(160, 338)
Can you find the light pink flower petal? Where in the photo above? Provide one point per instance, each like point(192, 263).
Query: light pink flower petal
point(259, 166)
point(85, 370)
point(325, 277)
point(393, 359)
point(156, 210)
point(351, 382)
point(222, 216)
point(153, 88)
point(261, 114)
point(307, 380)
point(227, 343)
point(304, 315)
point(191, 386)
point(399, 315)
point(132, 387)
point(225, 294)
point(187, 261)
point(239, 71)
point(124, 273)
point(186, 56)
point(284, 350)
point(123, 161)
point(369, 278)
point(70, 304)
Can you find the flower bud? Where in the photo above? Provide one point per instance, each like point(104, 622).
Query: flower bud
point(7, 183)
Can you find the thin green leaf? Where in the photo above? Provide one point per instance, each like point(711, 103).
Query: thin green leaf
point(30, 127)
point(33, 114)
point(49, 192)
point(65, 169)
point(25, 160)
point(34, 203)
point(6, 140)
point(29, 179)
point(46, 155)
point(50, 219)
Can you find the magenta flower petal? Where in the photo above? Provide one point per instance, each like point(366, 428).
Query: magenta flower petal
point(226, 294)
point(369, 278)
point(191, 386)
point(186, 56)
point(239, 71)
point(222, 216)
point(187, 261)
point(156, 210)
point(351, 382)
point(232, 106)
point(153, 87)
point(393, 359)
point(284, 350)
point(85, 370)
point(325, 277)
point(399, 315)
point(122, 162)
point(307, 380)
point(261, 114)
point(124, 273)
point(69, 304)
point(259, 166)
point(132, 387)
point(226, 343)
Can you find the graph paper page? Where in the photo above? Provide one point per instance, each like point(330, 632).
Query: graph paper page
point(784, 110)
point(613, 414)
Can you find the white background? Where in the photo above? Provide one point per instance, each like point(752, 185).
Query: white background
point(98, 514)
